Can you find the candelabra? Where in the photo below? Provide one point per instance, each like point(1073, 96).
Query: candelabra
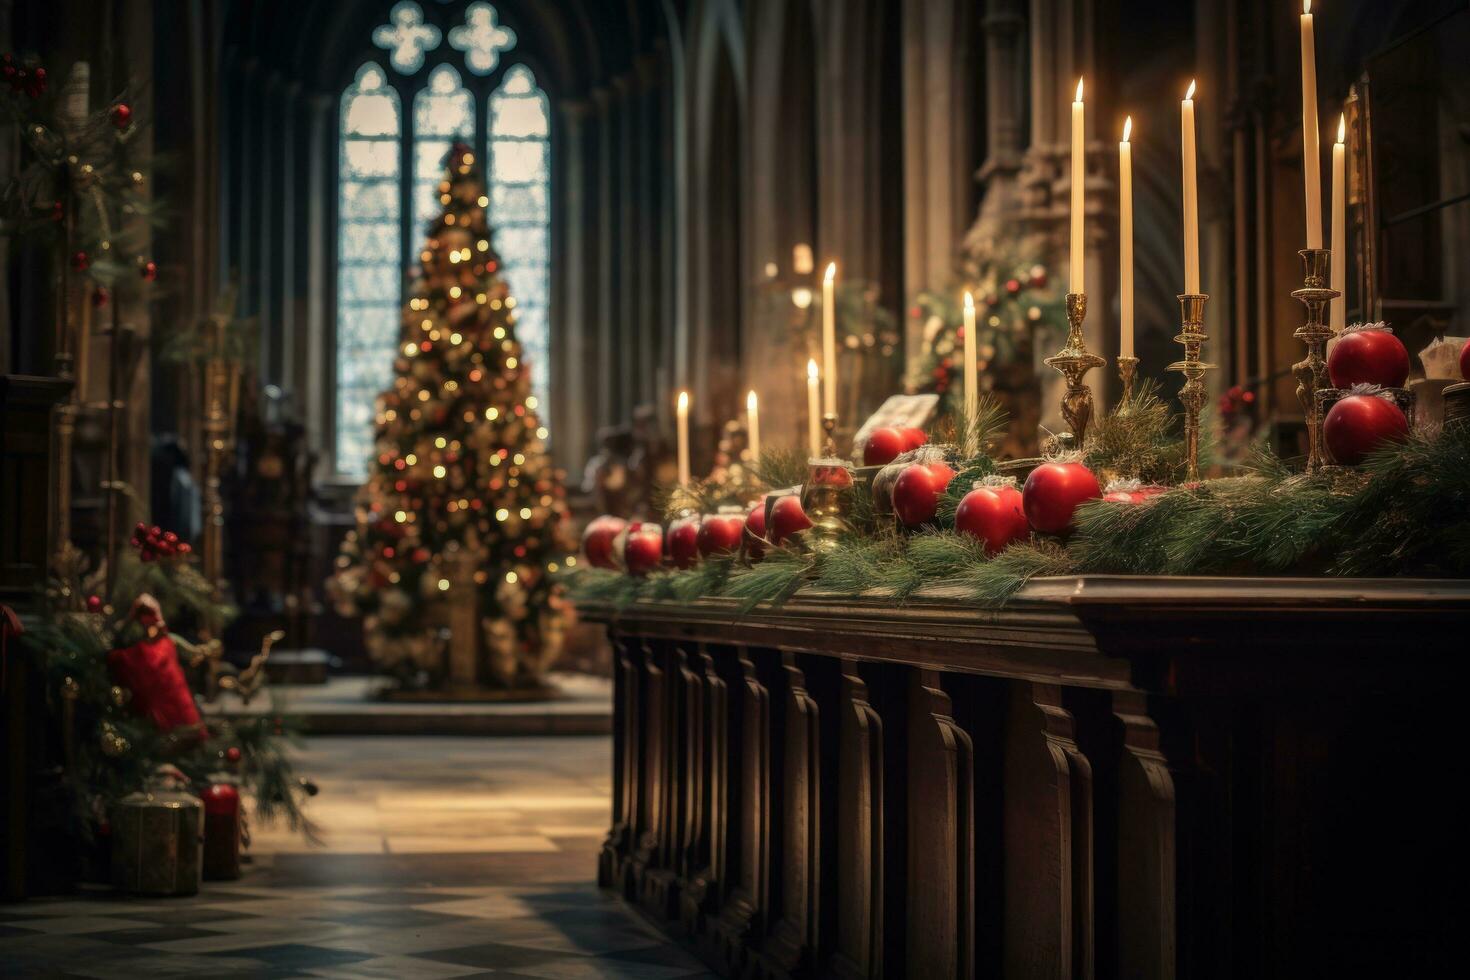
point(1074, 361)
point(1192, 395)
point(1127, 367)
point(1311, 371)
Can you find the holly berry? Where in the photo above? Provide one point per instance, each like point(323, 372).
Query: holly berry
point(683, 542)
point(1053, 492)
point(643, 548)
point(122, 115)
point(994, 515)
point(1368, 357)
point(916, 493)
point(787, 518)
point(720, 534)
point(1359, 424)
point(755, 532)
point(597, 540)
point(884, 444)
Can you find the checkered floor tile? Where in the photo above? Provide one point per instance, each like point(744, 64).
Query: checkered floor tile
point(449, 908)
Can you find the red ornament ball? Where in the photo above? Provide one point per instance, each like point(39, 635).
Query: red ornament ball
point(684, 542)
point(755, 532)
point(597, 540)
point(720, 534)
point(1013, 286)
point(787, 518)
point(1465, 361)
point(122, 115)
point(1368, 357)
point(1359, 424)
point(916, 493)
point(232, 753)
point(1053, 491)
point(915, 436)
point(149, 271)
point(94, 603)
point(993, 515)
point(221, 800)
point(884, 444)
point(81, 261)
point(643, 548)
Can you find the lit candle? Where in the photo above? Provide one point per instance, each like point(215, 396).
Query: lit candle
point(1079, 181)
point(753, 424)
point(813, 412)
point(1191, 195)
point(829, 340)
point(972, 384)
point(1311, 150)
point(1125, 239)
point(683, 415)
point(1339, 226)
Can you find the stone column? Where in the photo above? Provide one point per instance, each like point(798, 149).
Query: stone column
point(574, 335)
point(605, 306)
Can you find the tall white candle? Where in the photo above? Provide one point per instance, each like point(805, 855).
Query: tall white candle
point(1079, 182)
point(1125, 240)
point(683, 418)
point(1311, 148)
point(1191, 194)
point(1338, 317)
point(972, 383)
point(829, 340)
point(753, 425)
point(813, 411)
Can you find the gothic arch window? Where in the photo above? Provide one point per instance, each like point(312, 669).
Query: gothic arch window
point(519, 131)
point(390, 162)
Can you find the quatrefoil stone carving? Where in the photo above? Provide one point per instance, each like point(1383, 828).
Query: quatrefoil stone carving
point(406, 36)
point(481, 38)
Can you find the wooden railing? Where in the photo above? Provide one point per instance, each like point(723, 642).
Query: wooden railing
point(1111, 777)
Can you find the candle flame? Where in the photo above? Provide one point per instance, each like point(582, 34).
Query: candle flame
point(1342, 127)
point(683, 401)
point(1190, 94)
point(811, 369)
point(1127, 128)
point(1079, 90)
point(969, 302)
point(831, 272)
point(750, 401)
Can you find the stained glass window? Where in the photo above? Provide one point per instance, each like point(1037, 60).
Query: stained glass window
point(520, 182)
point(443, 111)
point(481, 38)
point(368, 260)
point(406, 37)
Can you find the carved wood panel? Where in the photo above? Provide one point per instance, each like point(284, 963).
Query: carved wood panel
point(705, 853)
point(859, 832)
point(1145, 846)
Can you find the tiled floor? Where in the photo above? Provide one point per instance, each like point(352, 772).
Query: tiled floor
point(441, 857)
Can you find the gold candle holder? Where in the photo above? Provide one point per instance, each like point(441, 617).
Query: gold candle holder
point(829, 427)
point(826, 497)
point(1074, 361)
point(1192, 396)
point(1127, 368)
point(1311, 371)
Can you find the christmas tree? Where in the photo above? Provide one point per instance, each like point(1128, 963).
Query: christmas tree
point(462, 522)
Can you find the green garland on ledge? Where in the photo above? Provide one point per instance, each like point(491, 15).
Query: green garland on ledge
point(1405, 511)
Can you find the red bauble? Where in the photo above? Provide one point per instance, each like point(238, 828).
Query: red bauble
point(597, 540)
point(684, 542)
point(232, 753)
point(719, 534)
point(221, 799)
point(1368, 357)
point(1052, 493)
point(885, 443)
point(122, 115)
point(1359, 424)
point(149, 271)
point(150, 669)
point(787, 518)
point(755, 532)
point(94, 603)
point(1013, 286)
point(643, 548)
point(1465, 361)
point(916, 493)
point(994, 515)
point(915, 436)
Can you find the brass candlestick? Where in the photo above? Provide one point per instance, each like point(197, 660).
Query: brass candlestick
point(1311, 371)
point(1192, 396)
point(826, 497)
point(829, 426)
point(1127, 368)
point(1074, 361)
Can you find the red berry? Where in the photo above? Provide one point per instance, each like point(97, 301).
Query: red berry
point(1053, 492)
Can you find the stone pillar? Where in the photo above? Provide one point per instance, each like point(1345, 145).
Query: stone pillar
point(605, 305)
point(575, 337)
